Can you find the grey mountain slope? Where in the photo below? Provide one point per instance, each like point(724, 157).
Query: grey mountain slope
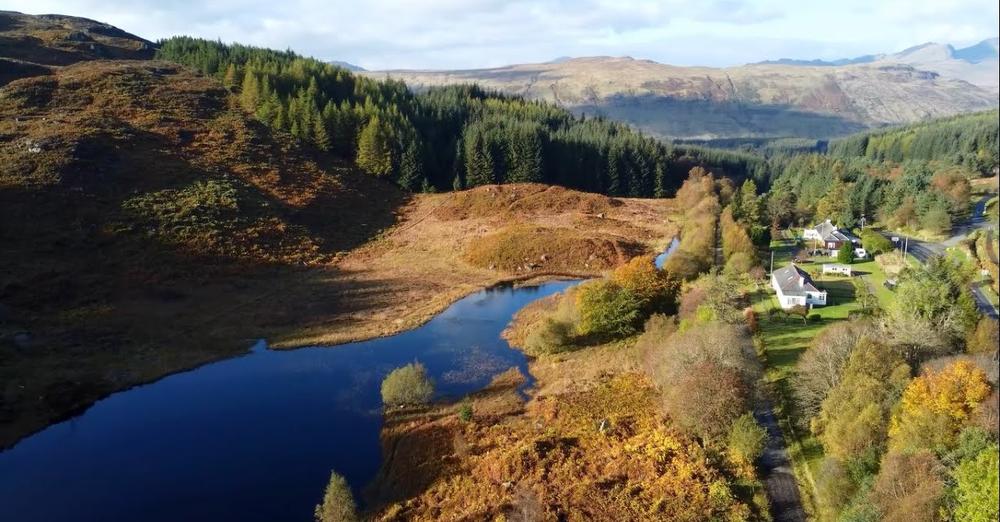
point(770, 100)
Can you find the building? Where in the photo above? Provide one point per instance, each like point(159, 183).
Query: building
point(795, 288)
point(829, 235)
point(836, 268)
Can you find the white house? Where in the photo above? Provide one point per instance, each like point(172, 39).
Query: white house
point(829, 235)
point(836, 268)
point(795, 288)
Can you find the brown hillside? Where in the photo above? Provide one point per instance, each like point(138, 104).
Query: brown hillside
point(29, 43)
point(142, 216)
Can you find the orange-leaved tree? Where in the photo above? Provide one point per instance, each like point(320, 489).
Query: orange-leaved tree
point(937, 405)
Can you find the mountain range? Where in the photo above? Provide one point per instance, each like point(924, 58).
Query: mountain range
point(814, 99)
point(976, 64)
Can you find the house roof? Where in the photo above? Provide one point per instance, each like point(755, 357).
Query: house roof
point(829, 232)
point(793, 280)
point(825, 228)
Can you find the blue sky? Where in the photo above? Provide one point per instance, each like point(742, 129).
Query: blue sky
point(380, 34)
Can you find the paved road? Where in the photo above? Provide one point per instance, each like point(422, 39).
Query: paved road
point(925, 250)
point(779, 478)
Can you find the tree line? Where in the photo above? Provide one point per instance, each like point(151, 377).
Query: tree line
point(446, 138)
point(969, 140)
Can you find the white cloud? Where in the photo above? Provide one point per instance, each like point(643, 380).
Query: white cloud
point(479, 33)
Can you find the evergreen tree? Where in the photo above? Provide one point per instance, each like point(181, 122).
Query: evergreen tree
point(249, 92)
point(229, 80)
point(411, 167)
point(320, 136)
point(374, 150)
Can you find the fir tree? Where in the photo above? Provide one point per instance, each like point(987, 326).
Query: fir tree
point(411, 167)
point(374, 150)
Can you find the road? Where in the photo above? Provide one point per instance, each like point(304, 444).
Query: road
point(925, 250)
point(779, 478)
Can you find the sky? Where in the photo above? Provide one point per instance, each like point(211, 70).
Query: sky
point(461, 34)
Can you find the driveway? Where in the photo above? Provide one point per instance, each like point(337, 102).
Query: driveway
point(779, 478)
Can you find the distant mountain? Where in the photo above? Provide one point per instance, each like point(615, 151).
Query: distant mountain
point(346, 65)
point(868, 58)
point(976, 64)
point(981, 52)
point(763, 100)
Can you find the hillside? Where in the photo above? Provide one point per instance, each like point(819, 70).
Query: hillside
point(748, 101)
point(151, 225)
point(28, 44)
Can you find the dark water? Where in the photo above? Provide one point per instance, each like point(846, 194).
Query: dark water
point(251, 438)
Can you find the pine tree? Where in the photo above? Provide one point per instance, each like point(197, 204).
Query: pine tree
point(411, 167)
point(374, 150)
point(229, 79)
point(250, 92)
point(480, 164)
point(320, 136)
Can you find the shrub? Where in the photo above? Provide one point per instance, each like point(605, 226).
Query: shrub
point(875, 243)
point(548, 337)
point(407, 385)
point(465, 411)
point(751, 318)
point(815, 318)
point(747, 439)
point(608, 310)
point(338, 502)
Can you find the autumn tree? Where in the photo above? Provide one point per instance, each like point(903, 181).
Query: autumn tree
point(653, 287)
point(820, 368)
point(909, 487)
point(708, 374)
point(608, 310)
point(854, 417)
point(936, 406)
point(985, 338)
point(747, 439)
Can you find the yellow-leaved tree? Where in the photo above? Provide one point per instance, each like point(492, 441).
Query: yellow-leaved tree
point(936, 406)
